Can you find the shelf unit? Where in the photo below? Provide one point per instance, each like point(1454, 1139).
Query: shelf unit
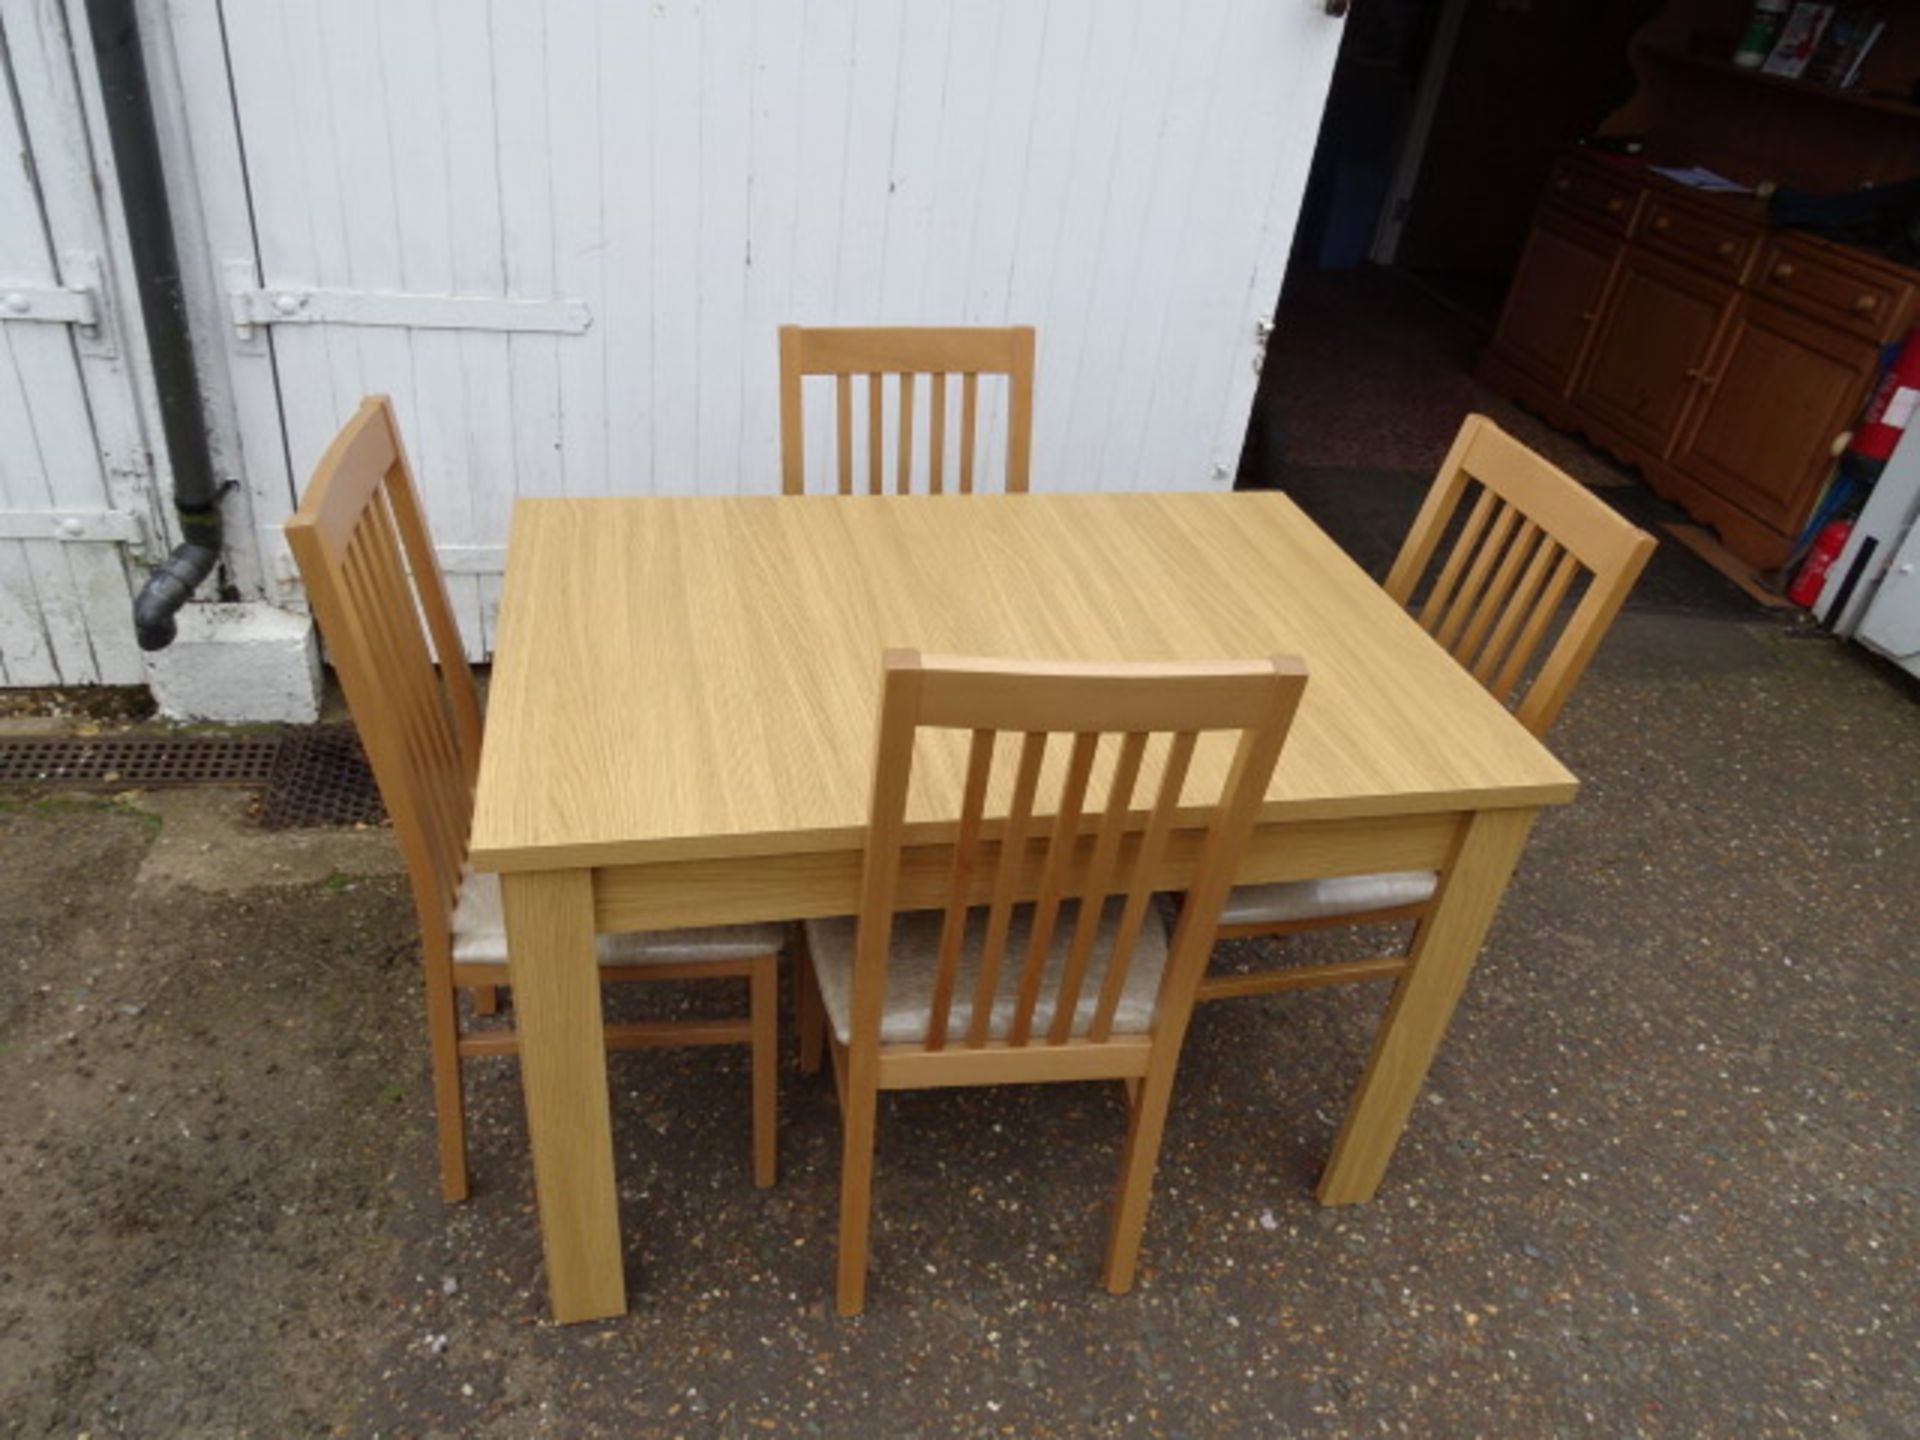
point(1803, 89)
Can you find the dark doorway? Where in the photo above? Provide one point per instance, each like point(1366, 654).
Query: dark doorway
point(1442, 119)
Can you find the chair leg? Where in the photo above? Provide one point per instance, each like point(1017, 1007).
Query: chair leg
point(1145, 1127)
point(765, 1008)
point(857, 1119)
point(449, 1100)
point(809, 1014)
point(486, 999)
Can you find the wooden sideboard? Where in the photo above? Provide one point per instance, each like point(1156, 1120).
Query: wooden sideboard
point(1683, 334)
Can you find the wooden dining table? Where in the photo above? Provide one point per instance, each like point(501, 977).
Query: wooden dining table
point(681, 724)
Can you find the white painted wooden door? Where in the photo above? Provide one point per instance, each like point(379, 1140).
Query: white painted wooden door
point(75, 477)
point(1122, 174)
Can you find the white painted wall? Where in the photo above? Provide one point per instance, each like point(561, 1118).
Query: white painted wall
point(1123, 174)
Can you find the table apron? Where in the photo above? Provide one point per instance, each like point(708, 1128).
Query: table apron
point(799, 886)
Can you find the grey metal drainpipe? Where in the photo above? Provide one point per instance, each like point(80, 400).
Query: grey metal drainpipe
point(156, 265)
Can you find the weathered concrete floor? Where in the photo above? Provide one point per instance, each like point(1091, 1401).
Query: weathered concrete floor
point(1663, 1182)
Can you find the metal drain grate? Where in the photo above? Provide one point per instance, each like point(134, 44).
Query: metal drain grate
point(137, 762)
point(314, 775)
point(320, 777)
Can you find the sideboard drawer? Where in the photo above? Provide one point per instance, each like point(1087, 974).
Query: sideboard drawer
point(1597, 197)
point(1855, 298)
point(1719, 244)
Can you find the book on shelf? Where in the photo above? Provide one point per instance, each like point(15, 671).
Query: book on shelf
point(1843, 47)
point(1799, 38)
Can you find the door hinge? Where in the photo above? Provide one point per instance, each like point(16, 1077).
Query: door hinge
point(79, 302)
point(84, 527)
point(253, 306)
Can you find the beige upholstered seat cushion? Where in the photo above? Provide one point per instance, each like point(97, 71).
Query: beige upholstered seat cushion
point(480, 935)
point(1327, 899)
point(915, 958)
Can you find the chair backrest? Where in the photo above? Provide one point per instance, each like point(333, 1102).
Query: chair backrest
point(906, 353)
point(1531, 532)
point(375, 586)
point(1153, 716)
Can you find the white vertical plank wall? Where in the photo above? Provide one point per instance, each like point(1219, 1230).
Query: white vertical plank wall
point(1122, 174)
point(76, 480)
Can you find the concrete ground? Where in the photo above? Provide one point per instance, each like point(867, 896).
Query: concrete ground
point(1663, 1181)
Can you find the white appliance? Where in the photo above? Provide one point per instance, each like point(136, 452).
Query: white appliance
point(1872, 593)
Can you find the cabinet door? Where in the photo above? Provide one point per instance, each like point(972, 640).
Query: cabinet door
point(1650, 349)
point(1554, 299)
point(1777, 392)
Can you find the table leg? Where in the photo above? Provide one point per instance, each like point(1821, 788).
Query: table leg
point(563, 1074)
point(1444, 950)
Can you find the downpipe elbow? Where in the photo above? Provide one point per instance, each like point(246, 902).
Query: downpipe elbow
point(169, 587)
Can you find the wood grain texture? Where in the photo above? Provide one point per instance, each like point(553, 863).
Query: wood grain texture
point(563, 1071)
point(801, 885)
point(376, 589)
point(770, 612)
point(1254, 702)
point(905, 355)
point(1444, 950)
point(1481, 579)
point(719, 656)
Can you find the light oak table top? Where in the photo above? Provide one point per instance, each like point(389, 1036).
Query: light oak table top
point(640, 711)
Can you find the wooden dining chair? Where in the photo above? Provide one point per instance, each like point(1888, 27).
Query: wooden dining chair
point(374, 582)
point(1080, 984)
point(906, 353)
point(1510, 565)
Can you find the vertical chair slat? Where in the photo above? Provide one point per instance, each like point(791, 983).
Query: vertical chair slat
point(969, 406)
point(384, 620)
point(380, 657)
point(443, 794)
point(879, 876)
point(937, 422)
point(361, 658)
point(903, 481)
point(1099, 882)
point(1153, 844)
point(1456, 560)
point(423, 566)
point(414, 680)
point(1517, 608)
point(793, 442)
point(953, 929)
point(876, 408)
point(447, 776)
point(1493, 600)
point(1505, 517)
point(1536, 626)
point(1013, 849)
point(843, 408)
point(1020, 412)
point(1053, 883)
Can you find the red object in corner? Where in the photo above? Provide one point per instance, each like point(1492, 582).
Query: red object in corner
point(1813, 570)
point(1892, 404)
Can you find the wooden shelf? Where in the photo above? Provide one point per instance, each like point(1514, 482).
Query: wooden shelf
point(1806, 89)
